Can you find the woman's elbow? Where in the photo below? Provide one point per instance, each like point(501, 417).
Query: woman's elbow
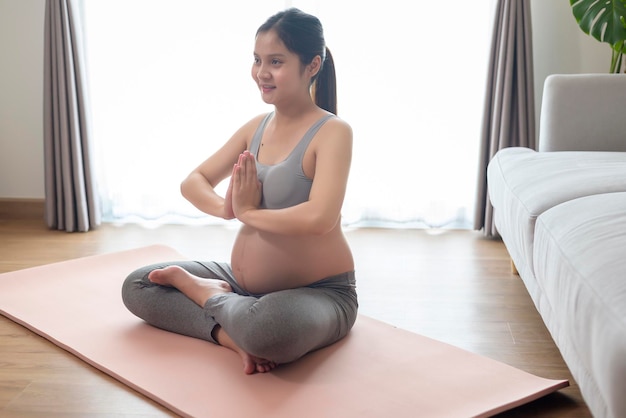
point(188, 185)
point(184, 187)
point(322, 224)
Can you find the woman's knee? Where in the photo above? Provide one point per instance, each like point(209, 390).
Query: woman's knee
point(278, 347)
point(282, 338)
point(132, 288)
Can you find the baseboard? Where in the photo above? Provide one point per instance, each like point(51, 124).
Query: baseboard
point(11, 209)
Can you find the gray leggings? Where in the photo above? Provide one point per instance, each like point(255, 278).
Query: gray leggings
point(279, 326)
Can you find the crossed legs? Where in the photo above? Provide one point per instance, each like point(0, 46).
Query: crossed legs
point(203, 300)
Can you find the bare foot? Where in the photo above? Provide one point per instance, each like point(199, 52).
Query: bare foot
point(251, 364)
point(195, 288)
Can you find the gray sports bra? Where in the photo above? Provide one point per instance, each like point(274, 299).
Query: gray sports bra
point(284, 184)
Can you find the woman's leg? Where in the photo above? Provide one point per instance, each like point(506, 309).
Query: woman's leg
point(285, 325)
point(197, 290)
point(166, 307)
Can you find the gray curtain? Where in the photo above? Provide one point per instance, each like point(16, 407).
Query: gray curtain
point(509, 113)
point(71, 200)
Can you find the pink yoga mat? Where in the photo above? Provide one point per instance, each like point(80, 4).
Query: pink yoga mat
point(377, 371)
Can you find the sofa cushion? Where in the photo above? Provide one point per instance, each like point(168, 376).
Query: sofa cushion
point(583, 112)
point(580, 265)
point(524, 183)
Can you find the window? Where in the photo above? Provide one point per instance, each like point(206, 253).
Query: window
point(170, 82)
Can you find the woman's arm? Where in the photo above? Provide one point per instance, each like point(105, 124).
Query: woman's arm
point(199, 186)
point(318, 215)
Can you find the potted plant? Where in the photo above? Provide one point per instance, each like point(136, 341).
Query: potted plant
point(605, 20)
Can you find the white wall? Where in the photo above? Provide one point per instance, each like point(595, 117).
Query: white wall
point(559, 47)
point(21, 98)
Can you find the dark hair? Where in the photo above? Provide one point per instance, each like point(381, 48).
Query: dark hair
point(303, 35)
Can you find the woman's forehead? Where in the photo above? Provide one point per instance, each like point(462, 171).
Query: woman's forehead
point(268, 43)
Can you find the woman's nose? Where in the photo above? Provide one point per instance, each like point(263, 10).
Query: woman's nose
point(262, 73)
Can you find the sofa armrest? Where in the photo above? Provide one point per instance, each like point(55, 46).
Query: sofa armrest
point(583, 112)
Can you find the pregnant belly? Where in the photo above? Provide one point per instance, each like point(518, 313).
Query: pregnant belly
point(265, 262)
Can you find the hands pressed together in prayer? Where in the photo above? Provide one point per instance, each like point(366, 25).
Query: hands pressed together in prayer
point(244, 190)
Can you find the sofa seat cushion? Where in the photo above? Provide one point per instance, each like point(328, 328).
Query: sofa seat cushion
point(524, 183)
point(580, 265)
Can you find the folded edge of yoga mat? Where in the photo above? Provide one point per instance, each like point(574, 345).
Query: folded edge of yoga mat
point(377, 370)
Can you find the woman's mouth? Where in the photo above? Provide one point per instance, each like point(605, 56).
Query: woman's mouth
point(266, 88)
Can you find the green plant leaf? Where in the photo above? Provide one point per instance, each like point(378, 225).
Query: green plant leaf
point(605, 20)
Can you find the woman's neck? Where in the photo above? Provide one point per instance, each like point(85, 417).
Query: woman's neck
point(285, 116)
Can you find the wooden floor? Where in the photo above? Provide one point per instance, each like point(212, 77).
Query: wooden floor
point(454, 286)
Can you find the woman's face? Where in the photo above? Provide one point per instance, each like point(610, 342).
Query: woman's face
point(277, 71)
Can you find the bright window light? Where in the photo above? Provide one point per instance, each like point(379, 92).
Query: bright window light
point(170, 83)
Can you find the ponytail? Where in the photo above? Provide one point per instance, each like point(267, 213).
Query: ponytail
point(325, 86)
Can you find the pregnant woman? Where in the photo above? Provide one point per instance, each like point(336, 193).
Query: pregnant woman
point(290, 285)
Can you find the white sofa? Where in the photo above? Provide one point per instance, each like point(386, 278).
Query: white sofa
point(561, 212)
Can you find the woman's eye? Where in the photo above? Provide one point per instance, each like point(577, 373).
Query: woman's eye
point(275, 62)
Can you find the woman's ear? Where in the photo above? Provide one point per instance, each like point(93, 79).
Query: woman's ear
point(315, 65)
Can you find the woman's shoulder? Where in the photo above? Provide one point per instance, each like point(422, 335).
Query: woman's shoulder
point(340, 123)
point(333, 138)
point(336, 126)
point(256, 121)
point(247, 130)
